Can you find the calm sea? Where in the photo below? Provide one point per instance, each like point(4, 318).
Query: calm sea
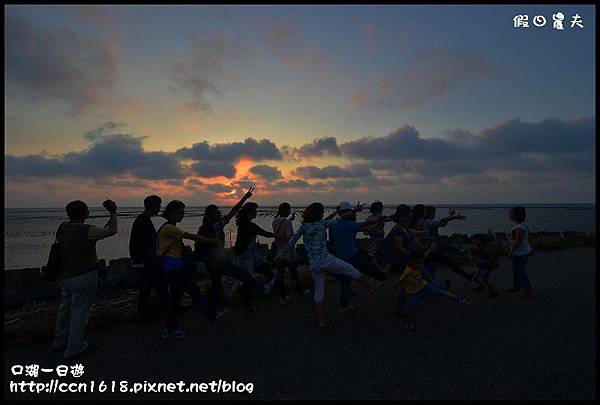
point(30, 232)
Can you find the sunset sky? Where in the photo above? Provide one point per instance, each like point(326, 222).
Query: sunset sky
point(405, 104)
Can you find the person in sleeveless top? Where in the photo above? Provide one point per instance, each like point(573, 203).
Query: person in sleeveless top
point(519, 252)
point(78, 278)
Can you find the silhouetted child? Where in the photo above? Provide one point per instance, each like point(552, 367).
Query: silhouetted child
point(519, 252)
point(414, 288)
point(481, 249)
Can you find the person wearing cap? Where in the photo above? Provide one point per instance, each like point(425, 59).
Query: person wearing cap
point(314, 233)
point(343, 237)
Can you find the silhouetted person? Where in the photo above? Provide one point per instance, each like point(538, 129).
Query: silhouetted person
point(78, 279)
point(143, 243)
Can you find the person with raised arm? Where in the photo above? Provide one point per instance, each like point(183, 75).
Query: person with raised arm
point(313, 231)
point(216, 260)
point(246, 250)
point(174, 257)
point(343, 237)
point(78, 277)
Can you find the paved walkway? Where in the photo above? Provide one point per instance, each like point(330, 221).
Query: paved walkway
point(504, 348)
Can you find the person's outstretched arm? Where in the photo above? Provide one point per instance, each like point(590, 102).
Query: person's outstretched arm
point(296, 236)
point(368, 225)
point(237, 207)
point(259, 231)
point(111, 227)
point(201, 239)
point(452, 217)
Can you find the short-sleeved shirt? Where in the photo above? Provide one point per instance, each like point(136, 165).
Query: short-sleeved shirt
point(283, 230)
point(412, 280)
point(390, 254)
point(343, 237)
point(376, 233)
point(170, 241)
point(432, 226)
point(246, 234)
point(213, 230)
point(143, 242)
point(315, 238)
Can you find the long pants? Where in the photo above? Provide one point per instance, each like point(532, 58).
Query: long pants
point(151, 278)
point(366, 265)
point(180, 281)
point(77, 296)
point(251, 261)
point(436, 257)
point(217, 270)
point(265, 270)
point(407, 301)
point(520, 278)
point(330, 264)
point(281, 264)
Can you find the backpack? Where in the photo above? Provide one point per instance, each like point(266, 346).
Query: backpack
point(52, 270)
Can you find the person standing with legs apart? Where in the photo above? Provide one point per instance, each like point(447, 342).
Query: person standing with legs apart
point(245, 248)
point(314, 232)
point(285, 255)
point(418, 227)
point(78, 278)
point(178, 270)
point(142, 250)
point(519, 252)
point(215, 257)
point(343, 237)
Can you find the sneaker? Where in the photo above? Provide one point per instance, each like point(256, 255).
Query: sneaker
point(493, 295)
point(526, 295)
point(176, 334)
point(269, 286)
point(283, 301)
point(463, 301)
point(513, 289)
point(88, 350)
point(219, 318)
point(349, 308)
point(410, 326)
